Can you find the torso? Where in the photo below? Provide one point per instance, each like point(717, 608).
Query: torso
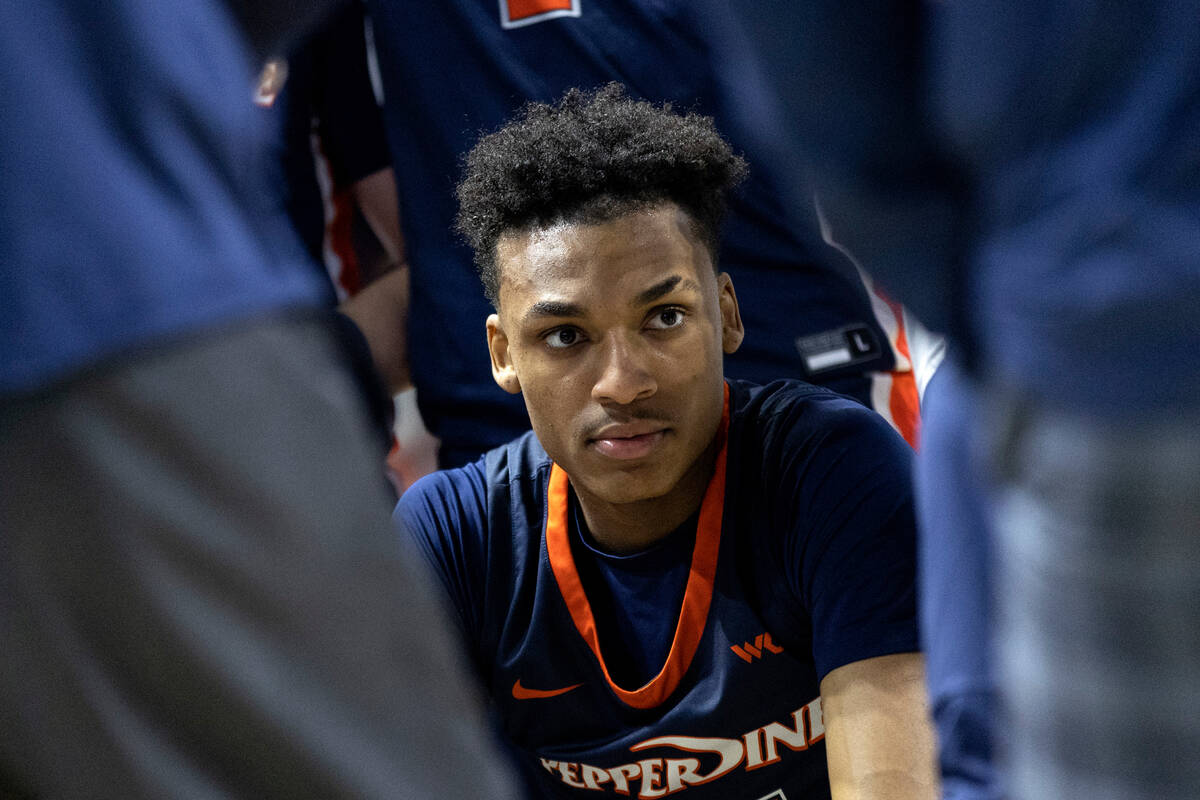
point(742, 717)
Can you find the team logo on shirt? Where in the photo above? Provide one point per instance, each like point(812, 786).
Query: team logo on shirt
point(748, 652)
point(518, 13)
point(702, 759)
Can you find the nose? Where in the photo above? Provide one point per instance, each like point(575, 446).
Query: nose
point(624, 373)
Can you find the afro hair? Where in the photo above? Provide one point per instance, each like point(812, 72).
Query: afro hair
point(590, 158)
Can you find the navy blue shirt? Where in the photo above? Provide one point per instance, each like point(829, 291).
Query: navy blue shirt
point(138, 205)
point(801, 561)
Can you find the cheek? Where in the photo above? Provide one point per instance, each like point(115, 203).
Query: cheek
point(549, 410)
point(694, 359)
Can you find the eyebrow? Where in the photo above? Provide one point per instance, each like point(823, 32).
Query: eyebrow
point(666, 286)
point(553, 308)
point(558, 308)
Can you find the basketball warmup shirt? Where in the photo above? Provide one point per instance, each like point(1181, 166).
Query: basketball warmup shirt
point(693, 667)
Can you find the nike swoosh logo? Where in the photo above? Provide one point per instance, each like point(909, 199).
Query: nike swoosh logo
point(521, 693)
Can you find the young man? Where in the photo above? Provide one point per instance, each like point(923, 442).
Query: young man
point(673, 583)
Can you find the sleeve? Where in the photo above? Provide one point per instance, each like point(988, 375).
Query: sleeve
point(443, 516)
point(853, 537)
point(349, 119)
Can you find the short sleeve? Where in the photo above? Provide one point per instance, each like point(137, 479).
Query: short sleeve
point(853, 541)
point(348, 115)
point(444, 516)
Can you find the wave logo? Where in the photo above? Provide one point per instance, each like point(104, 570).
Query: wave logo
point(748, 652)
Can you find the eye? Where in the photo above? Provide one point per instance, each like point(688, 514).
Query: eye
point(561, 338)
point(664, 319)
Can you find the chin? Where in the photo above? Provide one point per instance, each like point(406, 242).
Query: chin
point(631, 486)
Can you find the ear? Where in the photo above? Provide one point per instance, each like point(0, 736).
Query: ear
point(503, 371)
point(732, 331)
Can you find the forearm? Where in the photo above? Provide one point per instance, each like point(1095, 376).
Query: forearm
point(879, 740)
point(381, 312)
point(377, 199)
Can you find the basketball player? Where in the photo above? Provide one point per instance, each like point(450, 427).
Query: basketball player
point(675, 582)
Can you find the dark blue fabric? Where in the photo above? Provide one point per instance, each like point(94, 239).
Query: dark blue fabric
point(451, 72)
point(137, 205)
point(817, 550)
point(955, 568)
point(635, 598)
point(1023, 176)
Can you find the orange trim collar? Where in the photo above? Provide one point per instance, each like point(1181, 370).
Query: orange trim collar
point(697, 597)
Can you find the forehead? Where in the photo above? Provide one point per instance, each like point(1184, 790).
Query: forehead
point(624, 253)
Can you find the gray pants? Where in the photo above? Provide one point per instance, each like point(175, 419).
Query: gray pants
point(201, 594)
point(1099, 602)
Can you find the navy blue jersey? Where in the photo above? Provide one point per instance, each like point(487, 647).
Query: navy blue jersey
point(138, 207)
point(451, 71)
point(800, 560)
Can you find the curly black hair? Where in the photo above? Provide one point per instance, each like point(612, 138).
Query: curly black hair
point(592, 157)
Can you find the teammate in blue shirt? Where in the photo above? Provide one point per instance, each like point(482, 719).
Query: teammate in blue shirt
point(674, 582)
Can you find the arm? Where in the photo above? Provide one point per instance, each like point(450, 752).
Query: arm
point(855, 550)
point(375, 195)
point(878, 739)
point(351, 126)
point(381, 312)
point(353, 138)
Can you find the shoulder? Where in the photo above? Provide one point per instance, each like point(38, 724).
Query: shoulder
point(787, 420)
point(444, 515)
point(831, 484)
point(823, 473)
point(454, 512)
point(457, 499)
point(472, 524)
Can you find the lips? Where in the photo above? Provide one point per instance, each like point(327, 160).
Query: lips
point(628, 442)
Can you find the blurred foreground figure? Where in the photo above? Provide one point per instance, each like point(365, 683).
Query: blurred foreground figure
point(1027, 178)
point(200, 595)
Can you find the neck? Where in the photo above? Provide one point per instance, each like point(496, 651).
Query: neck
point(630, 527)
